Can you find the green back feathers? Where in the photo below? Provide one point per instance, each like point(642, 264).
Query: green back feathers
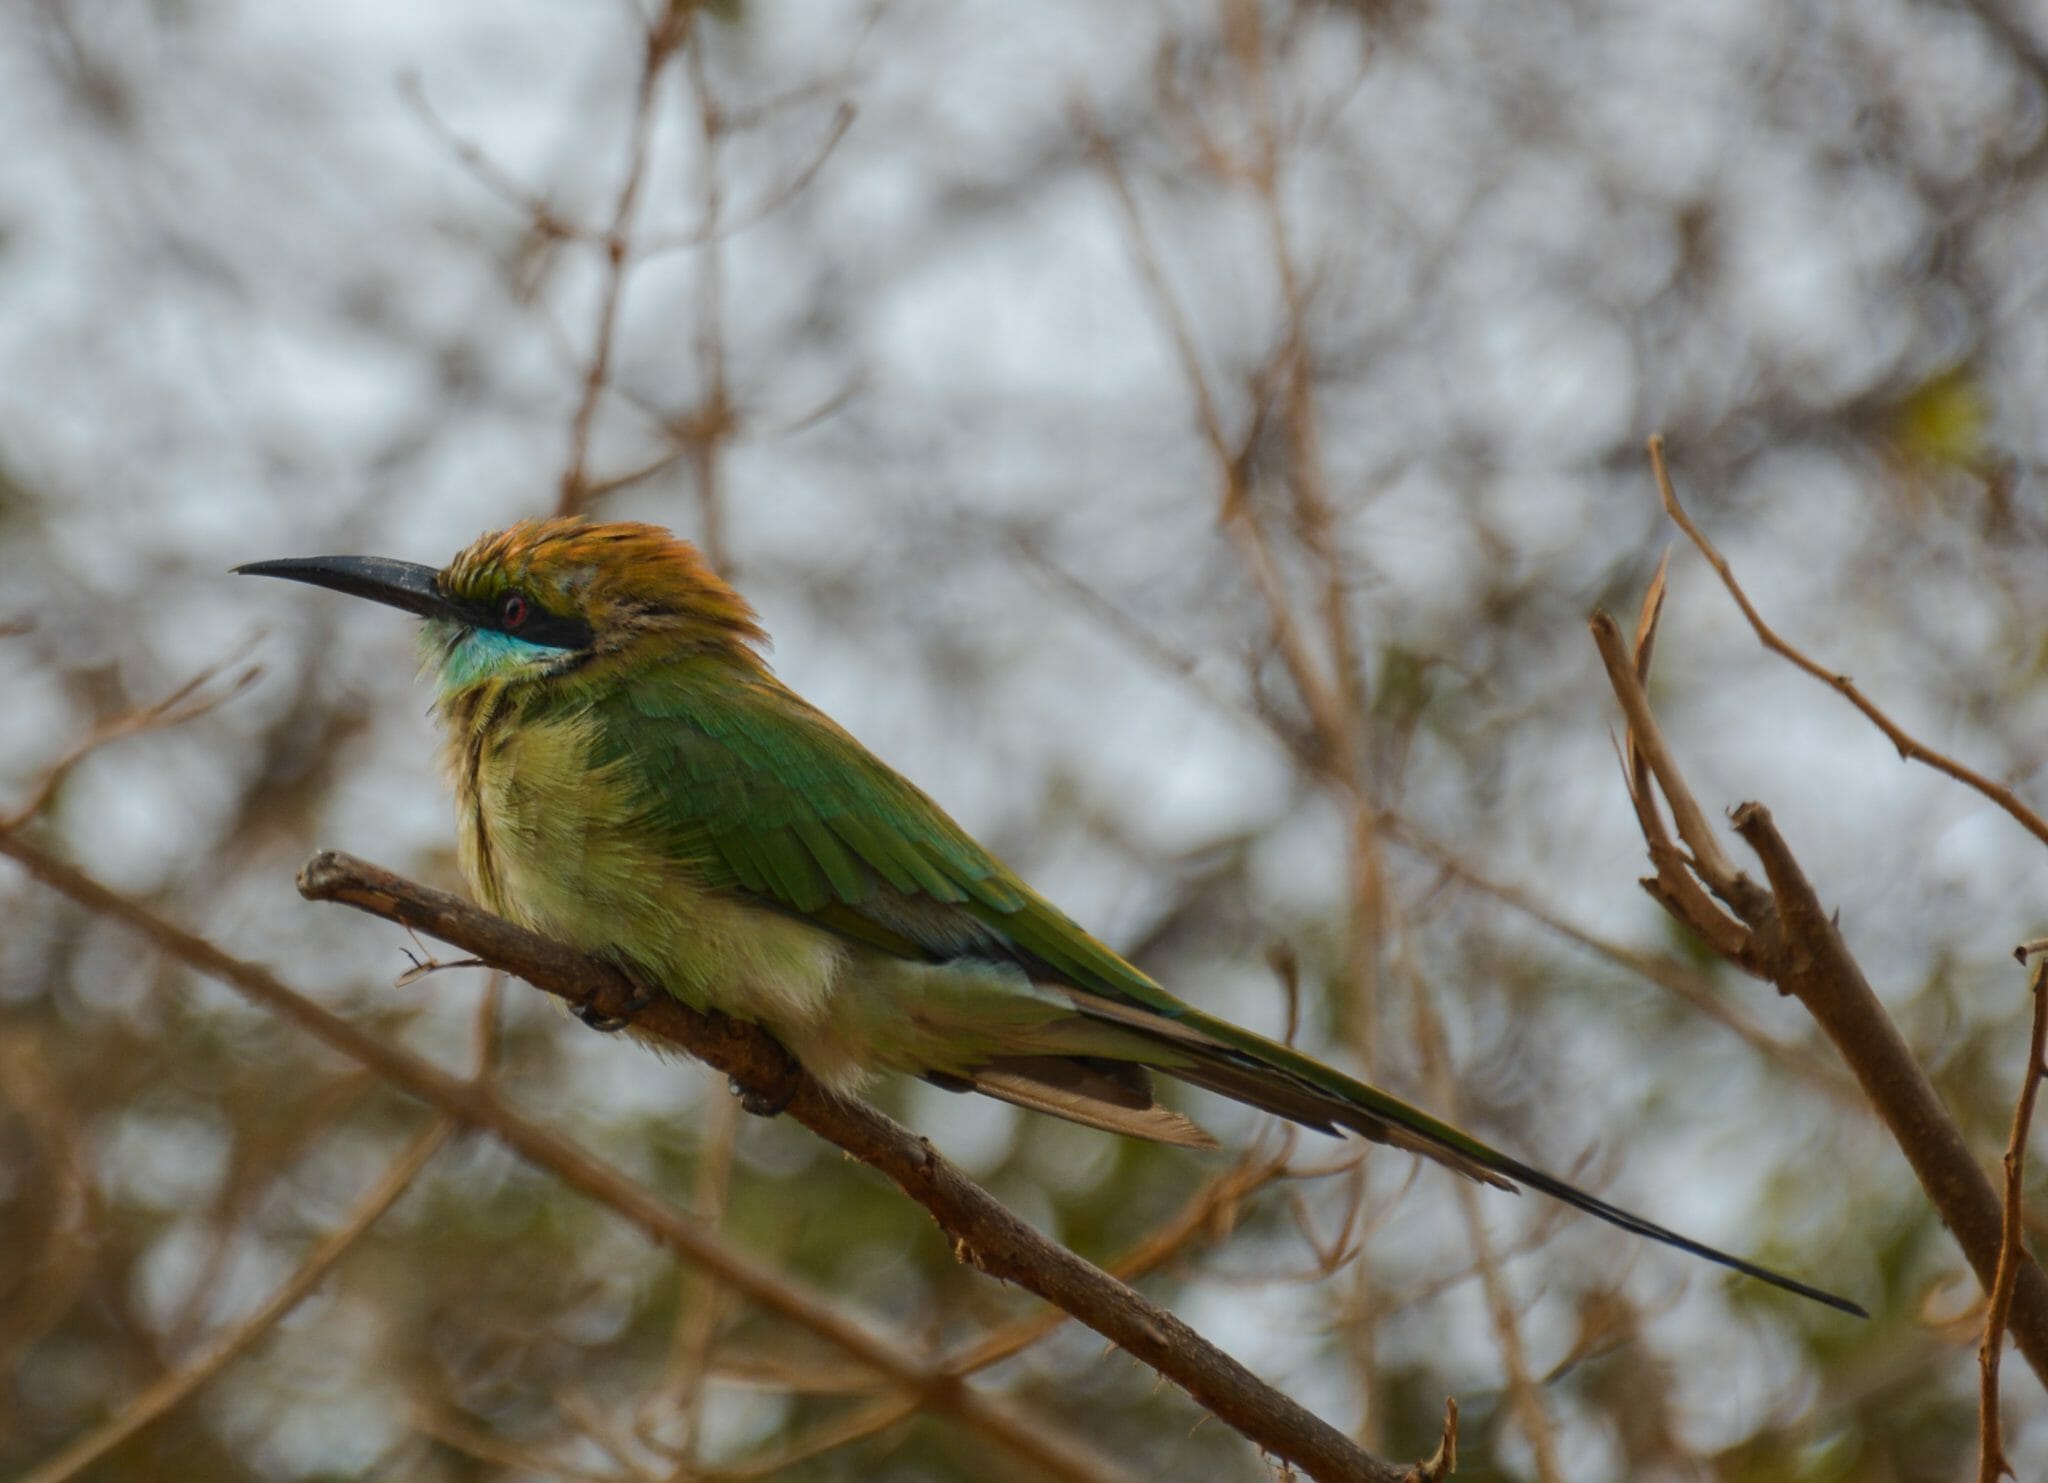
point(757, 791)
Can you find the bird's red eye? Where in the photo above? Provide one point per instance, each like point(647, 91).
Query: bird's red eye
point(511, 610)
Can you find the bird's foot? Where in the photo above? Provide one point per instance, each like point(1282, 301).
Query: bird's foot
point(610, 1024)
point(768, 1102)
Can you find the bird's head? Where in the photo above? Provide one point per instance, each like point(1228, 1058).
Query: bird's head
point(546, 598)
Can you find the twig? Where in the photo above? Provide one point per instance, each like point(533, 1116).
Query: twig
point(1444, 1461)
point(1211, 1208)
point(857, 1424)
point(1523, 1395)
point(1330, 684)
point(1908, 747)
point(701, 1305)
point(458, 1435)
point(710, 229)
point(1786, 936)
point(707, 429)
point(1303, 668)
point(1695, 988)
point(181, 1383)
point(1208, 1211)
point(1647, 748)
point(183, 704)
point(1991, 1461)
point(663, 37)
point(487, 172)
point(983, 1230)
point(53, 1274)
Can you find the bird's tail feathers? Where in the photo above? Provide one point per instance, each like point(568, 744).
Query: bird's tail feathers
point(1220, 1057)
point(1115, 1096)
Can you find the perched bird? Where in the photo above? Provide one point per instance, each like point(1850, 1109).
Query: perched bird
point(633, 780)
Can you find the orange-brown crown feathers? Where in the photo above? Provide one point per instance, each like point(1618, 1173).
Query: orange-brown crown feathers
point(620, 577)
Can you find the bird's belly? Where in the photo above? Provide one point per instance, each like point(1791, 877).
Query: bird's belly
point(551, 843)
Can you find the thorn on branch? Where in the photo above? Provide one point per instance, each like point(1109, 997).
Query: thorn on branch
point(1444, 1461)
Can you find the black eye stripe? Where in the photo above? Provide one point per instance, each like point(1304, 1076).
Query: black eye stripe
point(530, 622)
point(542, 627)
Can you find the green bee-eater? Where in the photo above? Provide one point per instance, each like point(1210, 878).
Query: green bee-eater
point(632, 779)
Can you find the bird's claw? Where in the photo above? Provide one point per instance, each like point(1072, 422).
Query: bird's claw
point(763, 1103)
point(610, 1024)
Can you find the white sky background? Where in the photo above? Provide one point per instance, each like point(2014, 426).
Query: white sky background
point(254, 306)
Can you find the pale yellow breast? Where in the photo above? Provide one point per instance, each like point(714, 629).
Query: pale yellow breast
point(563, 846)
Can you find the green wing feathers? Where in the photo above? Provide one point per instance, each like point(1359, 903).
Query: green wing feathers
point(756, 792)
point(759, 792)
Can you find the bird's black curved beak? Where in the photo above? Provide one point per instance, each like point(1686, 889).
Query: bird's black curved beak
point(399, 584)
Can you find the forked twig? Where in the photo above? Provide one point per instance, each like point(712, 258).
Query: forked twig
point(1785, 935)
point(1991, 1461)
point(188, 702)
point(1909, 747)
point(671, 31)
point(1444, 1461)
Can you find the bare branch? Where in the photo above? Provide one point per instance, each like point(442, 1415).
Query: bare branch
point(1697, 989)
point(487, 172)
point(181, 1383)
point(982, 1231)
point(1791, 940)
point(711, 229)
point(1444, 1461)
point(1523, 1395)
point(1908, 747)
point(188, 702)
point(1646, 748)
point(671, 31)
point(1811, 962)
point(1991, 1462)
